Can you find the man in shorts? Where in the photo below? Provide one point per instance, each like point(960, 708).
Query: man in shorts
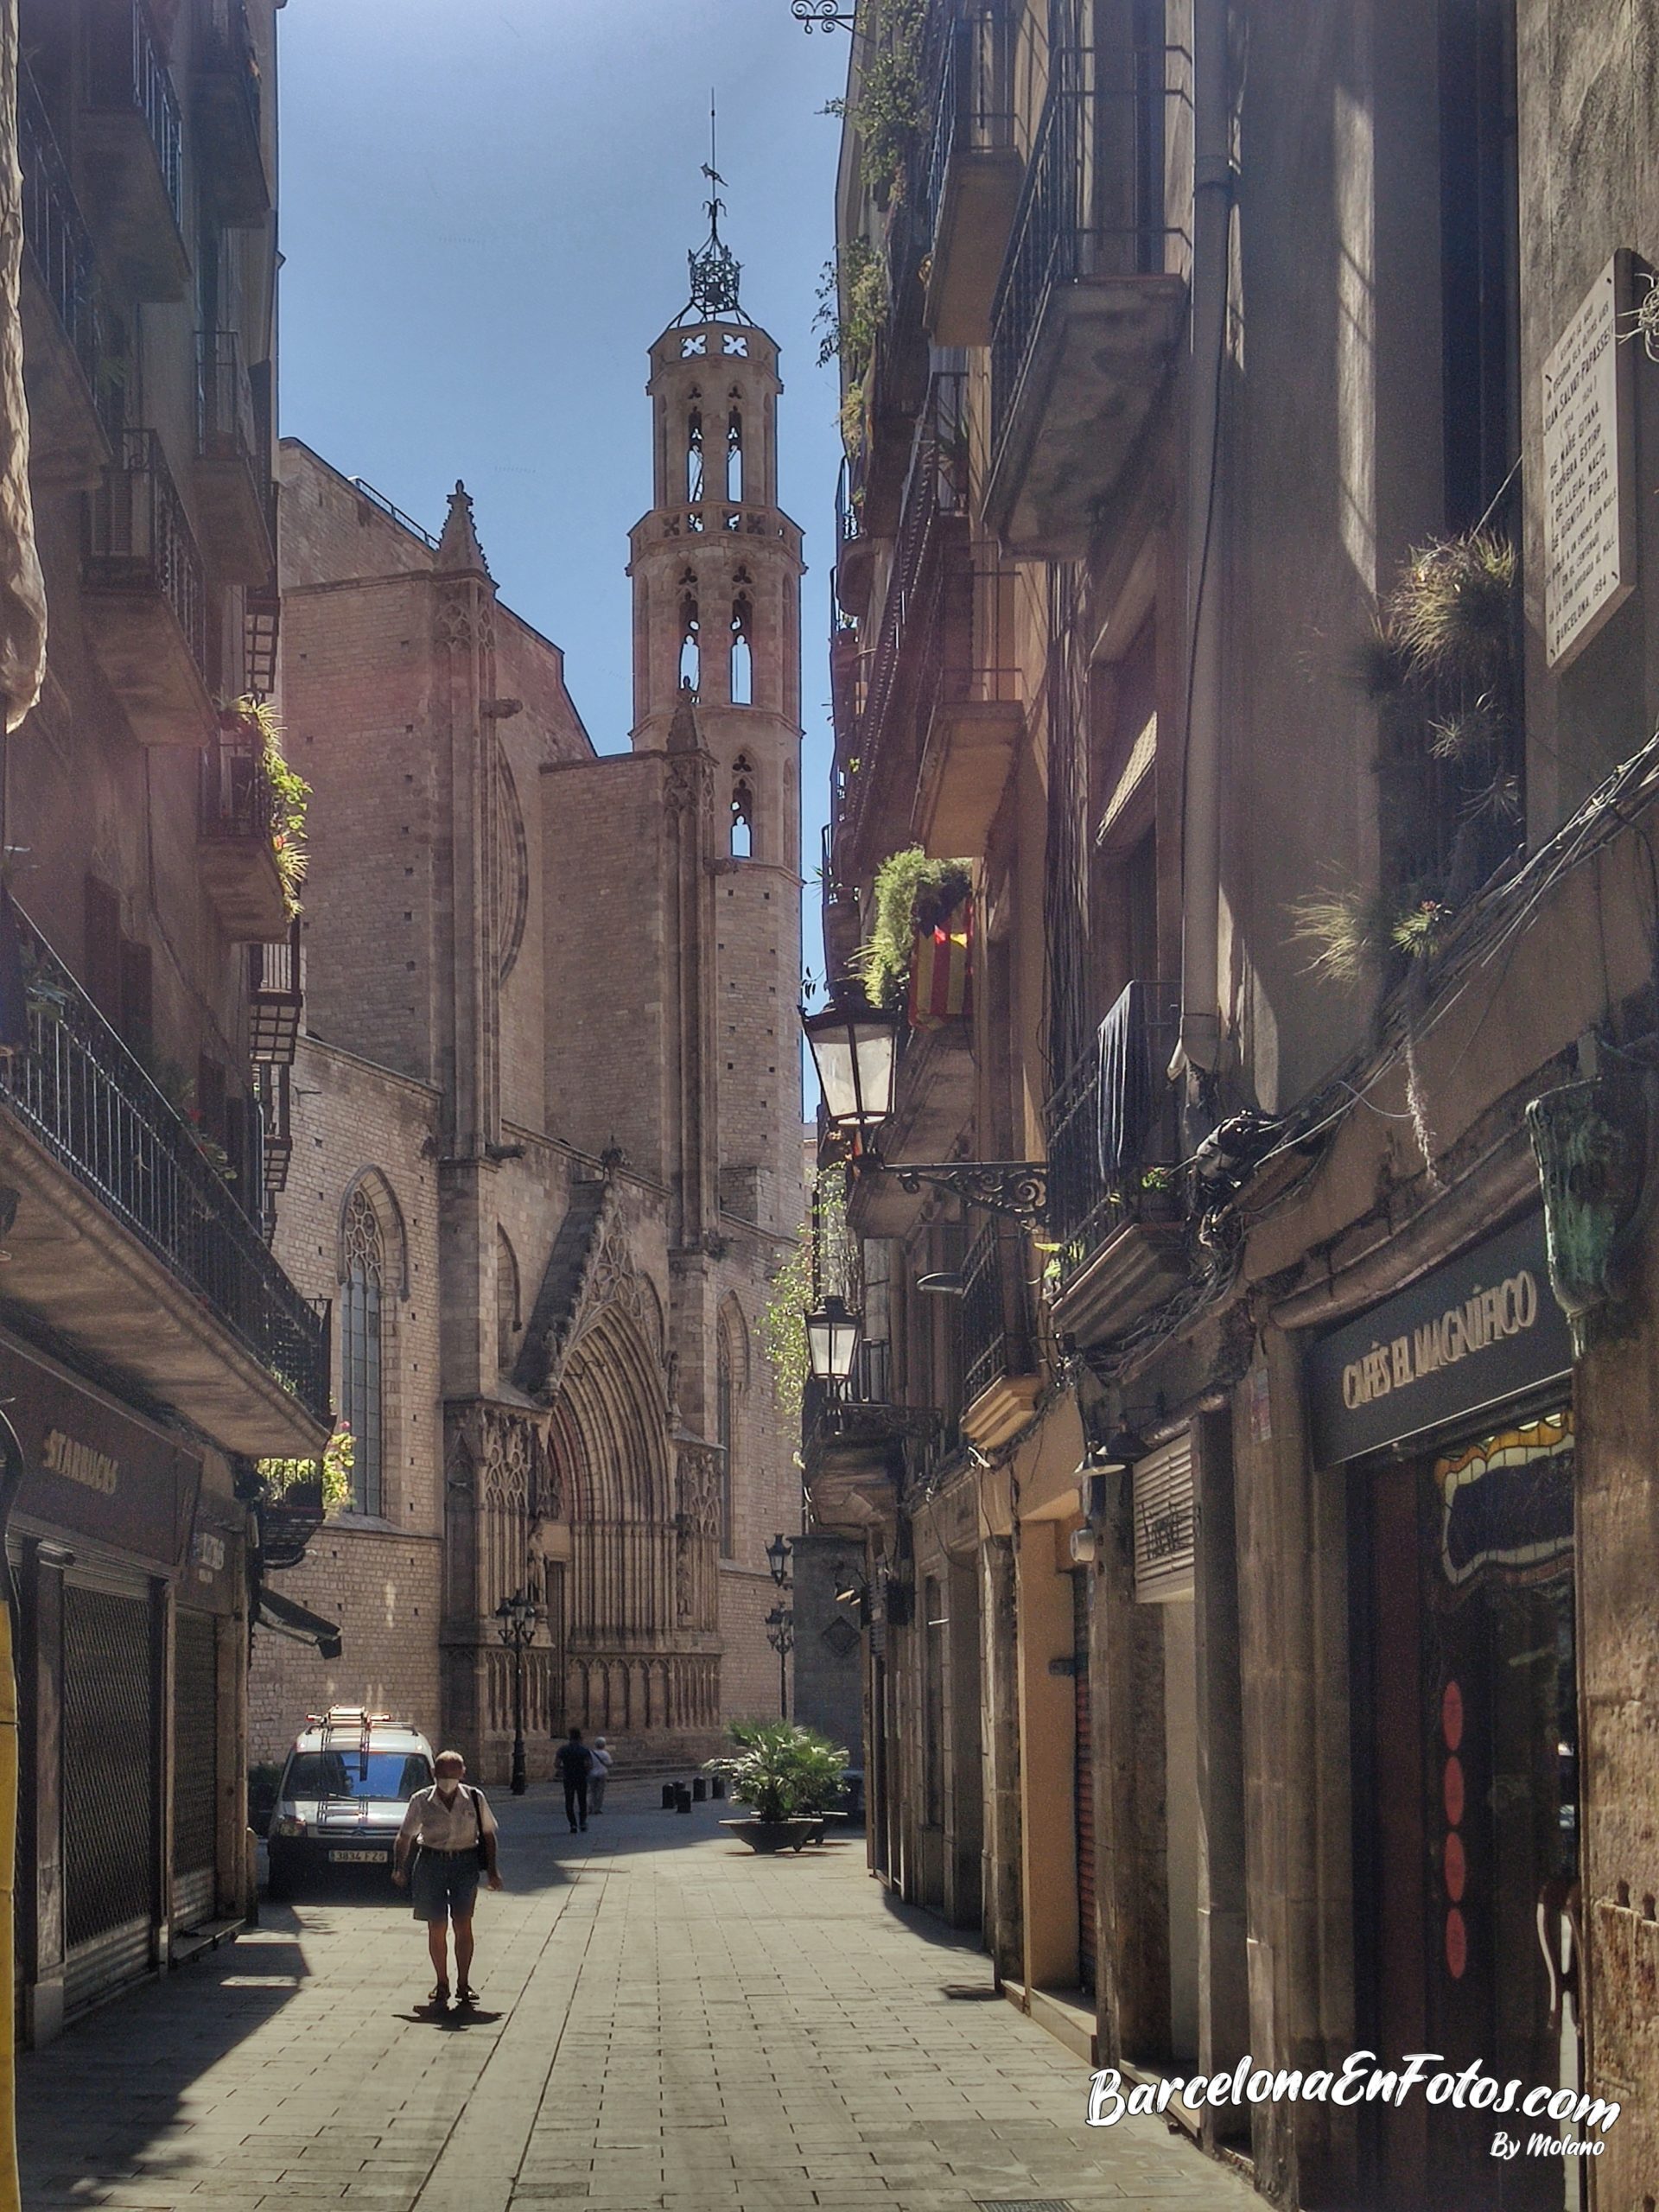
point(447, 1827)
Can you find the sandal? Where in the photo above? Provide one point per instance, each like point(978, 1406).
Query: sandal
point(439, 1995)
point(466, 1995)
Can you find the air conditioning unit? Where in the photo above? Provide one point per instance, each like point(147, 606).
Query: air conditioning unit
point(1085, 1547)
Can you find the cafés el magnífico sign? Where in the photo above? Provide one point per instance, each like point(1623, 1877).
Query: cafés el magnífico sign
point(1481, 1329)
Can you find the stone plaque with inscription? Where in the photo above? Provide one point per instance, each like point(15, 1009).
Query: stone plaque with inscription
point(1589, 501)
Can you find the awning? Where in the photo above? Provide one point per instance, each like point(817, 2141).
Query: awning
point(286, 1618)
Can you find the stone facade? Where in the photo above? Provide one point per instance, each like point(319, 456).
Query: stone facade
point(550, 994)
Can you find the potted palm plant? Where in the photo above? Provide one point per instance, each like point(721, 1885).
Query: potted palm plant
point(776, 1770)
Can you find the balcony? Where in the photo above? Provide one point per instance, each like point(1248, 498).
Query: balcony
point(855, 1444)
point(1113, 1141)
point(974, 715)
point(933, 1106)
point(274, 1093)
point(1002, 1375)
point(225, 110)
point(231, 473)
point(1086, 319)
point(261, 615)
point(887, 688)
point(68, 444)
point(974, 176)
point(854, 547)
point(131, 1247)
point(133, 137)
point(146, 602)
point(276, 999)
point(236, 859)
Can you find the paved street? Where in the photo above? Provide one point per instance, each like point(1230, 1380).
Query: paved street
point(667, 2022)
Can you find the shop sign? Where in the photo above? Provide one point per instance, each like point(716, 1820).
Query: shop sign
point(1482, 1329)
point(213, 1565)
point(90, 1469)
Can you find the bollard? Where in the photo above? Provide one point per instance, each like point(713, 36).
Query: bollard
point(669, 1796)
point(717, 1785)
point(682, 1798)
point(699, 1789)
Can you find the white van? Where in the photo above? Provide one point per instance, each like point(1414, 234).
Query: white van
point(344, 1792)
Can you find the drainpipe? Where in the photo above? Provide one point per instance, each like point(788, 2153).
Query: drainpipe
point(1199, 1047)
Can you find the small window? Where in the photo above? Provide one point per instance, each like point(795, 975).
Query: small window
point(735, 455)
point(742, 651)
point(691, 643)
point(360, 1348)
point(742, 810)
point(693, 457)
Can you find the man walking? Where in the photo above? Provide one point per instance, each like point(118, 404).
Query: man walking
point(451, 1830)
point(575, 1764)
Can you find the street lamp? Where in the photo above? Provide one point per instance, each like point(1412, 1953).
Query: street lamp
point(856, 1052)
point(517, 1620)
point(778, 1561)
point(1120, 1452)
point(780, 1634)
point(831, 1344)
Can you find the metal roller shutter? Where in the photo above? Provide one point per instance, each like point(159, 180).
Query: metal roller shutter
point(109, 1791)
point(1085, 1781)
point(195, 1768)
point(1164, 1525)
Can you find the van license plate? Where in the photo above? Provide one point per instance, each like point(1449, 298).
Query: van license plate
point(357, 1858)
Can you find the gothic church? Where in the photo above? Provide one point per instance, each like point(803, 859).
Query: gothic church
point(542, 1139)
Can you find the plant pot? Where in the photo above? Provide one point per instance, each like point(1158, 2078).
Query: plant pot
point(769, 1836)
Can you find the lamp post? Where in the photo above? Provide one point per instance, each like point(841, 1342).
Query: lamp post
point(831, 1347)
point(780, 1621)
point(517, 1620)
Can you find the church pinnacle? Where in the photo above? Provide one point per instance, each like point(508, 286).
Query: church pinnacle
point(715, 269)
point(458, 550)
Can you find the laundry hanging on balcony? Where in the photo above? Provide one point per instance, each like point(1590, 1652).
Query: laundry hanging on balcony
point(942, 970)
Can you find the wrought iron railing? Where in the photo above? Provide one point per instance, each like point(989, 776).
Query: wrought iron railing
point(975, 112)
point(984, 1326)
point(225, 419)
point(87, 1099)
point(126, 70)
point(138, 534)
point(58, 242)
point(1111, 1123)
point(273, 1089)
point(367, 490)
point(937, 487)
point(261, 615)
point(228, 47)
point(237, 800)
point(1088, 207)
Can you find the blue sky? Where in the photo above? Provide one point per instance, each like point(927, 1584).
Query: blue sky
point(485, 210)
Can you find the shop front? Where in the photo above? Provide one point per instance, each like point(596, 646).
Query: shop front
point(127, 1568)
point(1448, 1407)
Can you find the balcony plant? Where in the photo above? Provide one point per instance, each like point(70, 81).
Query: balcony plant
point(913, 894)
point(324, 1483)
point(253, 723)
point(852, 311)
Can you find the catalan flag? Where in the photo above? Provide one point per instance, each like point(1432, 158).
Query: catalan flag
point(942, 970)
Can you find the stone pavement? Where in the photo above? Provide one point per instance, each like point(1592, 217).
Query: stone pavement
point(668, 2022)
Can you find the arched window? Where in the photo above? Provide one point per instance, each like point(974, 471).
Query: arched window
point(742, 809)
point(735, 454)
point(693, 457)
point(690, 642)
point(507, 1302)
point(360, 1379)
point(725, 1432)
point(742, 651)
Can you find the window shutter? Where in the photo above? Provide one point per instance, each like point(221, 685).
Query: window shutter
point(1164, 1525)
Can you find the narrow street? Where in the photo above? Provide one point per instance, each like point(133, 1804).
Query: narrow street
point(667, 2022)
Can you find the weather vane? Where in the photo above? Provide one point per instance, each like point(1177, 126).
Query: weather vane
point(715, 269)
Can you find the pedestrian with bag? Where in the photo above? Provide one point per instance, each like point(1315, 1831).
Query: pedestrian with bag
point(450, 1830)
point(575, 1764)
point(599, 1774)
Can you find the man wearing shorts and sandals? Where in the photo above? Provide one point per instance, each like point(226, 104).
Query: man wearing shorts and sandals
point(451, 1830)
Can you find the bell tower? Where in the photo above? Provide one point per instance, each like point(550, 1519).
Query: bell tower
point(716, 571)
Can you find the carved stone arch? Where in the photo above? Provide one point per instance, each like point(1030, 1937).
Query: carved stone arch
point(509, 1309)
point(730, 1320)
point(511, 887)
point(375, 1186)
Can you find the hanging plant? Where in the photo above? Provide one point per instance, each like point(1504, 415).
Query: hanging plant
point(253, 721)
point(333, 1471)
point(782, 1327)
point(913, 893)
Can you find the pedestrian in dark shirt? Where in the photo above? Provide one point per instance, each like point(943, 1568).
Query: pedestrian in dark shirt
point(575, 1763)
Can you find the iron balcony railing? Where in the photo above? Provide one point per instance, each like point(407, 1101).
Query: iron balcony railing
point(237, 800)
point(1092, 202)
point(126, 70)
point(58, 242)
point(1112, 1123)
point(82, 1094)
point(225, 418)
point(985, 1358)
point(273, 1089)
point(975, 112)
point(936, 487)
point(139, 536)
point(228, 47)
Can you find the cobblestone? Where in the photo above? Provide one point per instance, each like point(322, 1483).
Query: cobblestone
point(667, 2025)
